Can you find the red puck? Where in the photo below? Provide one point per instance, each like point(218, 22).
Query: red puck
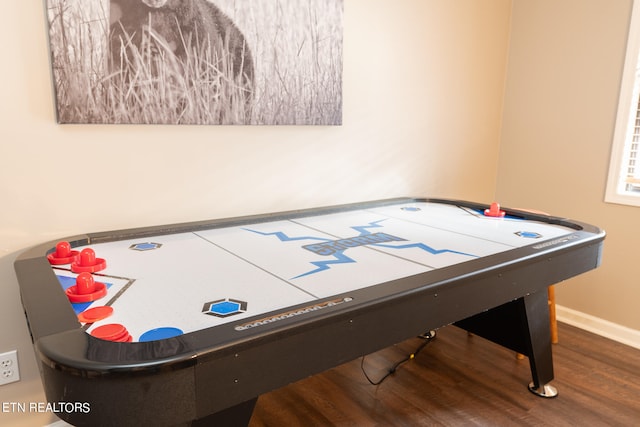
point(95, 313)
point(112, 332)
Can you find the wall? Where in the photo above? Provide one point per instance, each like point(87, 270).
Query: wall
point(564, 73)
point(423, 84)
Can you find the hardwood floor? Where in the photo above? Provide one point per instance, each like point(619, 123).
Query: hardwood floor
point(465, 380)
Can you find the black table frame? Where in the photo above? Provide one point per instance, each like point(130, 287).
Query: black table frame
point(213, 377)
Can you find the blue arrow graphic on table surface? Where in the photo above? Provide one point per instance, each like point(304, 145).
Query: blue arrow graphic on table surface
point(376, 224)
point(339, 257)
point(426, 248)
point(363, 228)
point(284, 238)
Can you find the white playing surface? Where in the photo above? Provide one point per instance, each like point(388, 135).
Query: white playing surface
point(266, 266)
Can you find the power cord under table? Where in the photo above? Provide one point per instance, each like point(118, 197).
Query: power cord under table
point(427, 338)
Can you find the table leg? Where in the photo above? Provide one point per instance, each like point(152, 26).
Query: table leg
point(521, 325)
point(539, 344)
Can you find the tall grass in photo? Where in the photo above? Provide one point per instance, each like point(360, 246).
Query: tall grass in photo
point(148, 83)
point(297, 54)
point(78, 32)
point(298, 50)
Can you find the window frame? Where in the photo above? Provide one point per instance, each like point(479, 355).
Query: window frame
point(628, 114)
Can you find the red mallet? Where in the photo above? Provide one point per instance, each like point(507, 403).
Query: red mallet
point(63, 254)
point(86, 289)
point(494, 211)
point(87, 262)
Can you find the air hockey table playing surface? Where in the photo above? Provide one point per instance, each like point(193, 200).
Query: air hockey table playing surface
point(193, 301)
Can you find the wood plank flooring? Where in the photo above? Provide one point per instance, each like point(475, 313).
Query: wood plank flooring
point(462, 380)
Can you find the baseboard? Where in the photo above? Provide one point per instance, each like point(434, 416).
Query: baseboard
point(613, 331)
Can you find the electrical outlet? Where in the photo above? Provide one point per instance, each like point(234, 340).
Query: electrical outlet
point(9, 372)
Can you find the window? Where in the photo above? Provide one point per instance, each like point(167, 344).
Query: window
point(623, 185)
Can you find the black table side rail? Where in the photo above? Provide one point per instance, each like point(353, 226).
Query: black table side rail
point(72, 356)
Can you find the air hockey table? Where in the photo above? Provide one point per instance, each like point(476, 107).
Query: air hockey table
point(188, 324)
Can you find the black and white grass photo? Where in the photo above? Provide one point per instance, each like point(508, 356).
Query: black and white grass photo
point(240, 62)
